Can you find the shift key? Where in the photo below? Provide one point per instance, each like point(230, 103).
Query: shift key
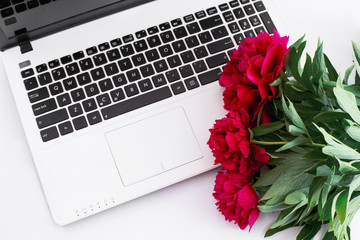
point(52, 118)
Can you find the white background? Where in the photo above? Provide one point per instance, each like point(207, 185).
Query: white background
point(182, 211)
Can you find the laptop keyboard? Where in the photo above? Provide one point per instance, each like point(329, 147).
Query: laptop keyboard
point(10, 7)
point(104, 81)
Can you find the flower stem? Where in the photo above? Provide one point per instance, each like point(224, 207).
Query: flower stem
point(283, 143)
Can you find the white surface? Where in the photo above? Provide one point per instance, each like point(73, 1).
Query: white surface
point(183, 211)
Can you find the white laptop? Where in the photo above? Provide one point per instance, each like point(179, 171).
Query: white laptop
point(116, 96)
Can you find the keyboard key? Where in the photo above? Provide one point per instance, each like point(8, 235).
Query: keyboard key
point(86, 64)
point(44, 78)
point(244, 24)
point(100, 59)
point(187, 56)
point(44, 107)
point(164, 26)
point(211, 22)
point(220, 45)
point(77, 95)
point(153, 30)
point(200, 14)
point(141, 34)
point(80, 123)
point(127, 50)
point(75, 110)
point(72, 69)
point(191, 83)
point(66, 59)
point(103, 100)
point(111, 69)
point(69, 83)
point(41, 68)
point(89, 105)
point(128, 38)
point(160, 66)
point(189, 18)
point(49, 134)
point(136, 102)
point(65, 128)
point(205, 37)
point(152, 55)
point(5, 3)
point(20, 8)
point(91, 50)
point(94, 118)
point(58, 73)
point(234, 27)
point(125, 64)
point(38, 94)
point(145, 85)
point(147, 70)
point(244, 1)
point(211, 11)
point(217, 60)
point(228, 16)
point(91, 90)
point(138, 59)
point(167, 36)
point(27, 73)
point(83, 78)
point(260, 29)
point(78, 55)
point(165, 50)
point(210, 76)
point(239, 13)
point(119, 80)
point(158, 80)
point(172, 75)
point(117, 95)
point(97, 74)
point(179, 46)
point(186, 71)
point(174, 61)
point(131, 90)
point(56, 88)
point(63, 99)
point(140, 45)
point(249, 9)
point(250, 33)
point(30, 83)
point(239, 38)
point(265, 17)
point(180, 32)
point(199, 66)
point(178, 88)
point(32, 4)
point(54, 63)
point(234, 3)
point(192, 41)
point(113, 54)
point(193, 28)
point(7, 12)
point(200, 52)
point(52, 118)
point(106, 85)
point(224, 7)
point(133, 75)
point(255, 21)
point(176, 22)
point(154, 41)
point(116, 42)
point(219, 32)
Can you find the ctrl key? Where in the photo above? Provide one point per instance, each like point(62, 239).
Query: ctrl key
point(49, 134)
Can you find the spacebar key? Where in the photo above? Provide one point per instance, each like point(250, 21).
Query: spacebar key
point(136, 102)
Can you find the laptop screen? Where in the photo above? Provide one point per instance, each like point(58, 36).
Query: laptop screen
point(22, 20)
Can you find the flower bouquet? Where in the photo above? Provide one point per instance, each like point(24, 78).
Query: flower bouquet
point(291, 139)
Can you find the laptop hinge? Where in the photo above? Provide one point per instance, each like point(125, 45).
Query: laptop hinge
point(25, 46)
point(23, 40)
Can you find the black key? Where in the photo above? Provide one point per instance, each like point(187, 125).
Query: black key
point(131, 90)
point(145, 85)
point(178, 88)
point(244, 24)
point(86, 64)
point(69, 83)
point(72, 69)
point(42, 2)
point(94, 118)
point(189, 18)
point(210, 76)
point(136, 102)
point(187, 56)
point(234, 3)
point(160, 66)
point(141, 34)
point(200, 52)
point(147, 70)
point(77, 94)
point(128, 38)
point(140, 45)
point(250, 33)
point(152, 55)
point(30, 83)
point(217, 60)
point(239, 38)
point(66, 59)
point(32, 4)
point(65, 128)
point(5, 3)
point(167, 36)
point(44, 107)
point(260, 29)
point(52, 118)
point(192, 41)
point(100, 59)
point(191, 83)
point(125, 64)
point(234, 27)
point(154, 41)
point(224, 7)
point(259, 6)
point(91, 90)
point(117, 95)
point(165, 50)
point(20, 8)
point(63, 99)
point(83, 78)
point(78, 55)
point(265, 17)
point(56, 88)
point(249, 9)
point(211, 11)
point(255, 21)
point(75, 110)
point(220, 45)
point(106, 85)
point(58, 73)
point(174, 61)
point(44, 78)
point(7, 12)
point(97, 74)
point(138, 59)
point(164, 26)
point(205, 37)
point(80, 123)
point(228, 16)
point(179, 46)
point(89, 105)
point(180, 32)
point(49, 134)
point(38, 94)
point(111, 69)
point(133, 75)
point(176, 22)
point(116, 42)
point(153, 30)
point(199, 66)
point(41, 68)
point(172, 75)
point(27, 73)
point(127, 50)
point(219, 32)
point(200, 14)
point(103, 100)
point(193, 27)
point(211, 22)
point(54, 63)
point(158, 80)
point(119, 80)
point(186, 71)
point(239, 13)
point(244, 1)
point(113, 54)
point(91, 50)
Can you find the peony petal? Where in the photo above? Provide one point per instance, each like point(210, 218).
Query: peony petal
point(253, 217)
point(247, 197)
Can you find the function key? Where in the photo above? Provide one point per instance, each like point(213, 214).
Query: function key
point(234, 3)
point(189, 18)
point(244, 1)
point(153, 30)
point(27, 73)
point(224, 7)
point(164, 26)
point(211, 11)
point(104, 46)
point(140, 34)
point(116, 42)
point(91, 50)
point(54, 63)
point(41, 68)
point(78, 55)
point(128, 38)
point(200, 14)
point(66, 59)
point(176, 22)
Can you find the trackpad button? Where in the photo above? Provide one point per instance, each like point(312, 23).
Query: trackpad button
point(153, 145)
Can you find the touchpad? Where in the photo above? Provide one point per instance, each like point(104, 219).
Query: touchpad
point(153, 145)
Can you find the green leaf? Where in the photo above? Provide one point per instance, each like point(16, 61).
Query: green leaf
point(356, 50)
point(345, 167)
point(333, 75)
point(333, 209)
point(272, 231)
point(276, 83)
point(347, 75)
point(315, 190)
point(354, 132)
point(294, 130)
point(347, 102)
point(306, 76)
point(297, 196)
point(300, 140)
point(319, 62)
point(309, 231)
point(292, 114)
point(329, 236)
point(330, 116)
point(271, 176)
point(267, 128)
point(341, 205)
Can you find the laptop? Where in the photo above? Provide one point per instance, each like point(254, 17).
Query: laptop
point(116, 96)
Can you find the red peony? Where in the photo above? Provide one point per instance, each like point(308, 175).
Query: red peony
point(230, 144)
point(236, 199)
point(248, 75)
